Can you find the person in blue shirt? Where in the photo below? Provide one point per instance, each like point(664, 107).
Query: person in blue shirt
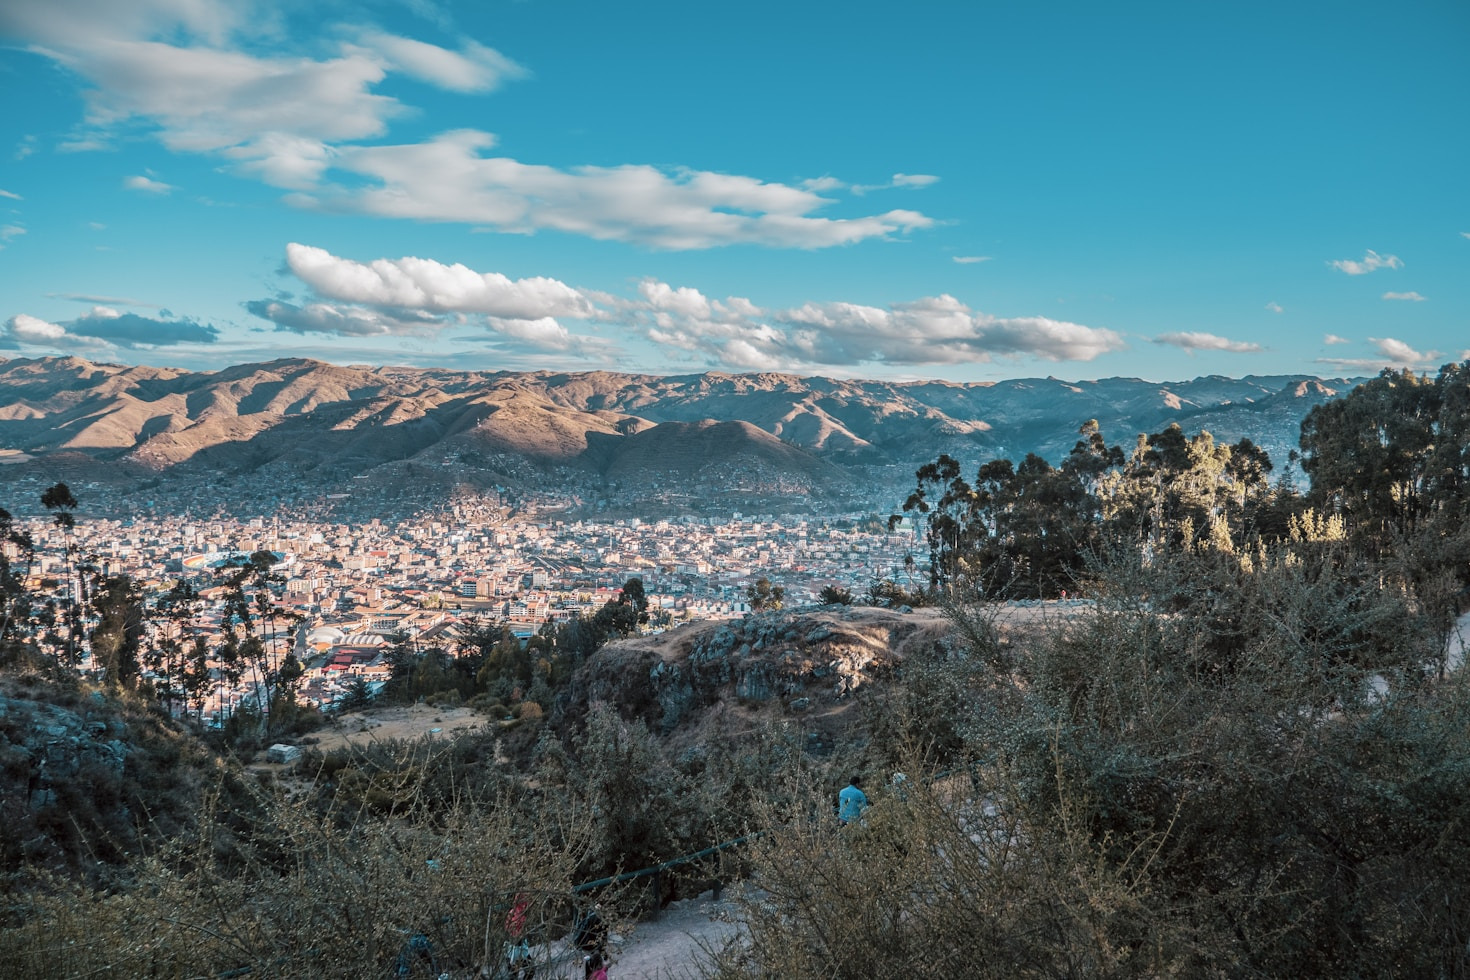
point(851, 801)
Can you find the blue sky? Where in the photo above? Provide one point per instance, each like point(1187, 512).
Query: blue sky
point(968, 191)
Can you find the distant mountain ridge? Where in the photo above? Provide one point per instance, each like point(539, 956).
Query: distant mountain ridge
point(616, 430)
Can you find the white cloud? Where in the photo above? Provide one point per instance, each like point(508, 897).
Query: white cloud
point(449, 179)
point(1195, 340)
point(896, 181)
point(146, 184)
point(822, 184)
point(1391, 353)
point(7, 232)
point(475, 68)
point(1333, 338)
point(971, 259)
point(1465, 234)
point(934, 330)
point(10, 194)
point(1412, 297)
point(421, 297)
point(24, 330)
point(1275, 307)
point(1370, 262)
point(389, 297)
point(423, 284)
point(105, 328)
point(1400, 353)
point(282, 160)
point(188, 70)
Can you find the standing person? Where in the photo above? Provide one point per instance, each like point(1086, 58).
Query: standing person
point(852, 801)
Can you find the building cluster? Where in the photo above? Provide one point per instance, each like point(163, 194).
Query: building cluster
point(356, 589)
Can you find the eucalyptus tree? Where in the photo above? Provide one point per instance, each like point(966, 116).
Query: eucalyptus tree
point(1391, 459)
point(116, 640)
point(59, 499)
point(175, 622)
point(17, 554)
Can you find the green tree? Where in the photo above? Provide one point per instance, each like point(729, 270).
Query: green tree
point(1392, 460)
point(117, 639)
point(359, 695)
point(835, 595)
point(633, 594)
point(175, 614)
point(15, 599)
point(762, 595)
point(59, 500)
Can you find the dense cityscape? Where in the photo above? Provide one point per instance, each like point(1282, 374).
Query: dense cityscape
point(352, 589)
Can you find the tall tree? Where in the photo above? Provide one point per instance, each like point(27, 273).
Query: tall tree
point(59, 500)
point(17, 552)
point(117, 639)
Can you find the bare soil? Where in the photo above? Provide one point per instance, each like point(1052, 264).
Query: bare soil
point(406, 722)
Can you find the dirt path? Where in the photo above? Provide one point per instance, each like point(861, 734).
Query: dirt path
point(671, 946)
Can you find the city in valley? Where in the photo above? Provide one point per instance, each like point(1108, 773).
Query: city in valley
point(351, 590)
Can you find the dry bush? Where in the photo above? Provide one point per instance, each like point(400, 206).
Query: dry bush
point(939, 882)
point(300, 892)
point(1195, 778)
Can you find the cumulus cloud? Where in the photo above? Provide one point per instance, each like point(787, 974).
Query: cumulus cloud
point(413, 296)
point(1411, 297)
point(423, 284)
point(971, 259)
point(387, 297)
point(449, 178)
point(934, 330)
point(1275, 307)
point(1370, 262)
point(1398, 352)
point(132, 330)
point(1195, 340)
point(307, 121)
point(105, 328)
point(1333, 338)
point(146, 184)
point(1391, 352)
point(24, 330)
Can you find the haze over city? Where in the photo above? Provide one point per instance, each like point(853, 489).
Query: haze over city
point(967, 192)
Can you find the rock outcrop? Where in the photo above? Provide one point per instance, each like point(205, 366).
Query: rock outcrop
point(792, 661)
point(85, 778)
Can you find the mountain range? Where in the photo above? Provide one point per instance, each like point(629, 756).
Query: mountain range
point(616, 437)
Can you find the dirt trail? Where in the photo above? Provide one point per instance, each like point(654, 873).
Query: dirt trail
point(671, 946)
